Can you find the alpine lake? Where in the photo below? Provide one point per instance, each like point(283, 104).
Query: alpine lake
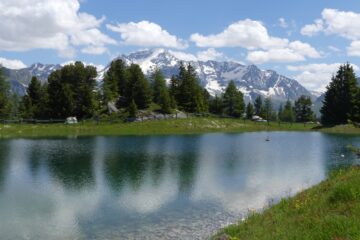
point(155, 187)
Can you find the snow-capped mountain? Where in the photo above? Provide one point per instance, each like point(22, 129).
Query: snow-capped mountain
point(215, 75)
point(20, 79)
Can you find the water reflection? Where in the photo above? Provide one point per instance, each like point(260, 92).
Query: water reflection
point(171, 187)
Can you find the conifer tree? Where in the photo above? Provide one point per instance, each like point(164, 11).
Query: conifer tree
point(303, 111)
point(160, 91)
point(132, 109)
point(268, 108)
point(233, 101)
point(115, 80)
point(137, 88)
point(190, 96)
point(71, 91)
point(32, 99)
point(4, 96)
point(258, 104)
point(340, 102)
point(216, 105)
point(287, 114)
point(249, 111)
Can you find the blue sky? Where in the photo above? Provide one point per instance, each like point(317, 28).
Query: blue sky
point(305, 40)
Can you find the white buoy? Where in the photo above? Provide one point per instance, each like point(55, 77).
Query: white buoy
point(342, 155)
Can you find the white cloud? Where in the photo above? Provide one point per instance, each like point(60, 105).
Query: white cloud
point(247, 34)
point(336, 22)
point(341, 23)
point(316, 76)
point(48, 24)
point(210, 54)
point(262, 47)
point(146, 34)
point(274, 55)
point(94, 50)
point(354, 49)
point(345, 24)
point(183, 56)
point(283, 23)
point(295, 51)
point(312, 29)
point(12, 63)
point(334, 49)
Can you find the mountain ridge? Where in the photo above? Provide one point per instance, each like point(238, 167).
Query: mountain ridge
point(213, 75)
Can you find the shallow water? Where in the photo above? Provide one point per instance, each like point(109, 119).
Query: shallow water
point(154, 187)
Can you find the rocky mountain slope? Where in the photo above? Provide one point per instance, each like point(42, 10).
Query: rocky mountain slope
point(213, 75)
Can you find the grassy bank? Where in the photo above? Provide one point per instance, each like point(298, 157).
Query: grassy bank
point(161, 127)
point(173, 126)
point(330, 210)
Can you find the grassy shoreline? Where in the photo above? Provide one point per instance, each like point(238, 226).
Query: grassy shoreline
point(329, 210)
point(161, 127)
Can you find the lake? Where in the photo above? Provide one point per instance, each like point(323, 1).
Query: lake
point(155, 187)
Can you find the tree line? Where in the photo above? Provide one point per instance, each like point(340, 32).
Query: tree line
point(73, 91)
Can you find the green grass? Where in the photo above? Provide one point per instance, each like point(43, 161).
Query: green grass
point(161, 127)
point(195, 125)
point(344, 129)
point(329, 210)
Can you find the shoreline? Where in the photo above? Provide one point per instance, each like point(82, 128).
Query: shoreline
point(161, 127)
point(328, 210)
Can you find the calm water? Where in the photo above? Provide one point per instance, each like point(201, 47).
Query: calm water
point(164, 187)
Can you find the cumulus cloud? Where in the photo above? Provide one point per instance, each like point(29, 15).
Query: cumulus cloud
point(253, 35)
point(183, 56)
point(210, 54)
point(12, 63)
point(354, 49)
point(295, 51)
point(316, 76)
point(274, 55)
point(341, 23)
point(146, 34)
point(247, 34)
point(312, 29)
point(49, 24)
point(336, 22)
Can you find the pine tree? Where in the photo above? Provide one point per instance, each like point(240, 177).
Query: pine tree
point(258, 104)
point(32, 99)
point(303, 111)
point(190, 96)
point(233, 101)
point(137, 87)
point(71, 91)
point(249, 111)
point(268, 108)
point(4, 97)
point(158, 85)
point(340, 103)
point(115, 80)
point(287, 114)
point(216, 105)
point(280, 112)
point(132, 109)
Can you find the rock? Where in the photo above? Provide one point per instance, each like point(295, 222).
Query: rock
point(112, 107)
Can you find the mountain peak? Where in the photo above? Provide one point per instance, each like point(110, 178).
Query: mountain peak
point(215, 75)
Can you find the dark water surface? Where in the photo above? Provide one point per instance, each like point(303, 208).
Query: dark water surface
point(154, 187)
